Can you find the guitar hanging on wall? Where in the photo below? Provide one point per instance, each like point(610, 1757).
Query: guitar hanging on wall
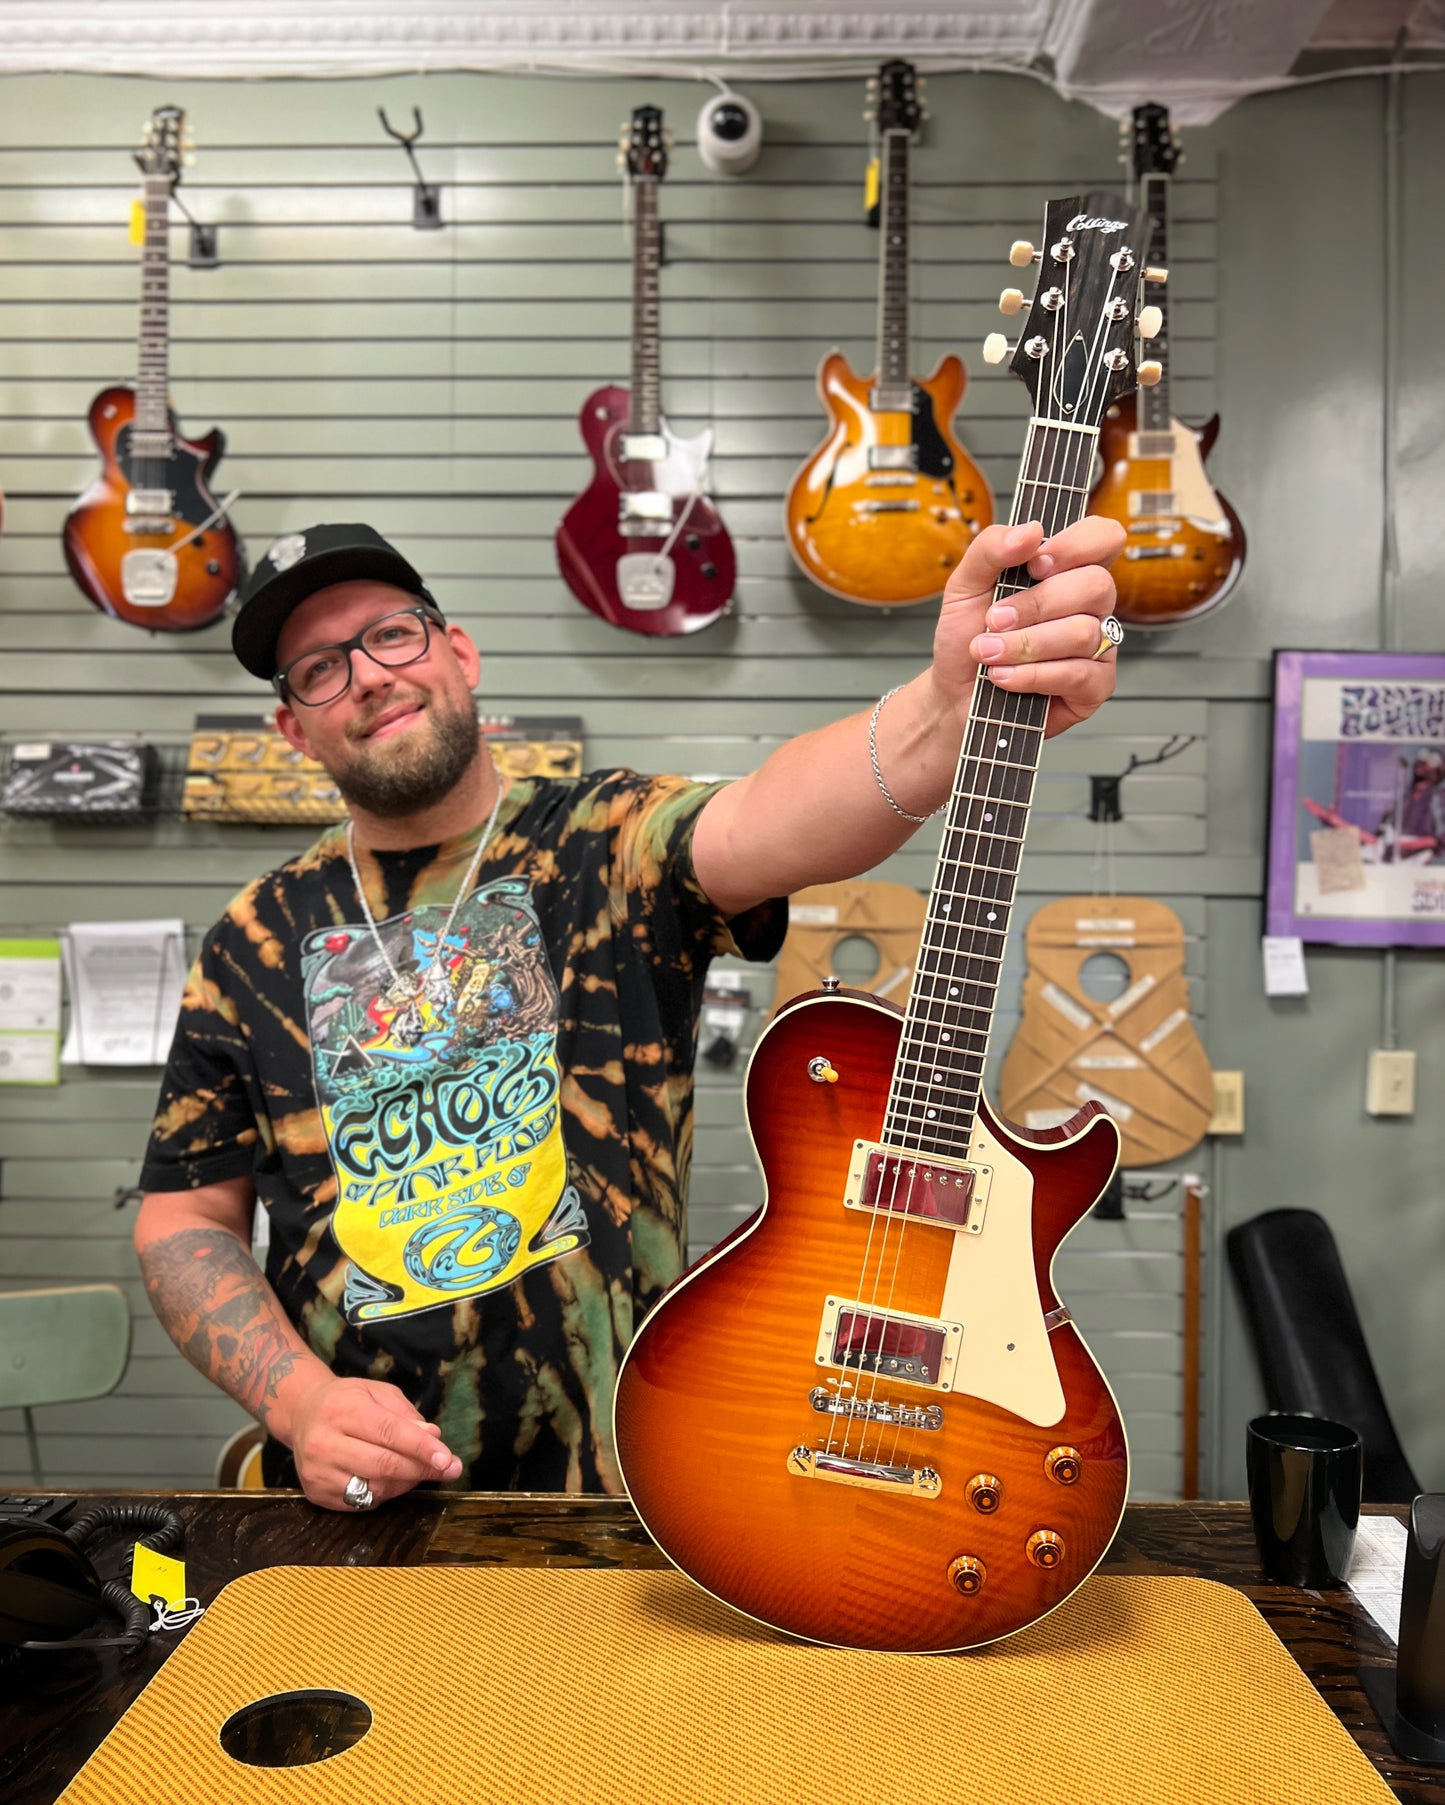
point(148, 542)
point(867, 1419)
point(1185, 551)
point(887, 505)
point(642, 546)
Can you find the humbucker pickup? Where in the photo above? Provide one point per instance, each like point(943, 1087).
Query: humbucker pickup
point(150, 501)
point(641, 448)
point(891, 1182)
point(914, 1350)
point(893, 457)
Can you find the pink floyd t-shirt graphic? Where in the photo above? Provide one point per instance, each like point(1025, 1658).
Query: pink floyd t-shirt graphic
point(438, 1085)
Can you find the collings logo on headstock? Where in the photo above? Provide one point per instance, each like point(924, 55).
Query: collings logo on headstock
point(1083, 222)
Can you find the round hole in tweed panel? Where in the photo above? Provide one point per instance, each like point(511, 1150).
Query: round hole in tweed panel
point(295, 1729)
point(856, 960)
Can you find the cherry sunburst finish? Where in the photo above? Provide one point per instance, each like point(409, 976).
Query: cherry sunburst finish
point(867, 1419)
point(886, 506)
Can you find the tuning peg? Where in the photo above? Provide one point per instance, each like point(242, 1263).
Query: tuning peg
point(995, 348)
point(667, 137)
point(1150, 320)
point(1153, 273)
point(923, 113)
point(1150, 372)
point(1022, 253)
point(869, 113)
point(1011, 300)
point(922, 83)
point(621, 160)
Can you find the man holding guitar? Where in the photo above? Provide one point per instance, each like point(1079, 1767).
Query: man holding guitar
point(449, 1048)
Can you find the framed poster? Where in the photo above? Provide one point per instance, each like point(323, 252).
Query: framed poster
point(1357, 800)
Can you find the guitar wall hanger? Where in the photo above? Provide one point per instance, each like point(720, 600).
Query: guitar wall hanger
point(204, 252)
point(426, 200)
point(1104, 804)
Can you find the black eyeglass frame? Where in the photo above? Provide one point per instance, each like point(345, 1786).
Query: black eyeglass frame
point(429, 618)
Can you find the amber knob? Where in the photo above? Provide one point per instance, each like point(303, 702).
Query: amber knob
point(982, 1492)
point(967, 1574)
point(1064, 1465)
point(1045, 1548)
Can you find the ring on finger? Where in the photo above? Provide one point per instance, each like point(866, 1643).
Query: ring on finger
point(1112, 630)
point(358, 1494)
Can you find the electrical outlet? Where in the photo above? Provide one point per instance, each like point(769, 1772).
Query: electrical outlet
point(1228, 1117)
point(1390, 1082)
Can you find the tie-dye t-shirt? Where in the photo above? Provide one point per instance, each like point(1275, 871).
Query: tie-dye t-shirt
point(475, 1164)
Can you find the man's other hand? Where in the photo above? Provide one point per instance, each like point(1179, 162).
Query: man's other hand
point(363, 1427)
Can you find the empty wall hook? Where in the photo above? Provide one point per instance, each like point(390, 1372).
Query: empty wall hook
point(1104, 804)
point(426, 200)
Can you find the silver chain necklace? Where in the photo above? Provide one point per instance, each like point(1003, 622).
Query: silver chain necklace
point(463, 890)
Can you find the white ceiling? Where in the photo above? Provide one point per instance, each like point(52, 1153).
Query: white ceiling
point(1195, 55)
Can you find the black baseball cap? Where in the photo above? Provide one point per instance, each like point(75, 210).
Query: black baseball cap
point(297, 565)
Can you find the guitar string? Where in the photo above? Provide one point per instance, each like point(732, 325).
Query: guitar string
point(1057, 498)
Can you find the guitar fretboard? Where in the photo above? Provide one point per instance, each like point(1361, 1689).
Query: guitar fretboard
point(646, 360)
point(894, 383)
point(1153, 413)
point(152, 418)
point(938, 1074)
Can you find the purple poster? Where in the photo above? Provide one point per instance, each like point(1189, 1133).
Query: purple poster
point(1357, 802)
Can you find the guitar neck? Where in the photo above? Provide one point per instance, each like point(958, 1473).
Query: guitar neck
point(938, 1075)
point(152, 412)
point(646, 358)
point(895, 387)
point(1153, 412)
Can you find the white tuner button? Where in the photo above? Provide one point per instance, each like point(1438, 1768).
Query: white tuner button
point(1153, 273)
point(1149, 372)
point(1150, 320)
point(1022, 253)
point(1011, 300)
point(995, 348)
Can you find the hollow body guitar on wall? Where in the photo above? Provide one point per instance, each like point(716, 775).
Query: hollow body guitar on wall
point(867, 1419)
point(1185, 550)
point(148, 542)
point(887, 505)
point(642, 546)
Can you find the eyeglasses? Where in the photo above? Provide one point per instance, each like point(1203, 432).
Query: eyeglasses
point(321, 676)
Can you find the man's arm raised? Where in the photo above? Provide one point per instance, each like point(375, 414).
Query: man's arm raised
point(813, 812)
point(215, 1304)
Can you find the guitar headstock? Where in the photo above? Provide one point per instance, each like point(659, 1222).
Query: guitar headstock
point(893, 98)
point(1076, 352)
point(1153, 142)
point(164, 145)
point(645, 143)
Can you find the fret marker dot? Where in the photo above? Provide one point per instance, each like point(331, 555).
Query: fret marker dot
point(946, 1037)
point(1003, 742)
point(988, 817)
point(992, 916)
point(933, 1112)
point(946, 907)
point(938, 1077)
point(953, 990)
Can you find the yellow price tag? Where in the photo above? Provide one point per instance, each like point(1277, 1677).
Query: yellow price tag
point(870, 185)
point(137, 222)
point(155, 1575)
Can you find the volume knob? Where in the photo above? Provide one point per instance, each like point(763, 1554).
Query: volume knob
point(967, 1574)
point(1064, 1465)
point(1045, 1548)
point(982, 1492)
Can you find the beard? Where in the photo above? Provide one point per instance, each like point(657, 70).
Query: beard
point(401, 776)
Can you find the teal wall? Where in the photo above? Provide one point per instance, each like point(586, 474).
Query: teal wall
point(429, 382)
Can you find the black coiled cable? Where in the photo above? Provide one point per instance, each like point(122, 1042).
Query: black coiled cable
point(165, 1533)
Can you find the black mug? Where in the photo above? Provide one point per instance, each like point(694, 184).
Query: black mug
point(1305, 1479)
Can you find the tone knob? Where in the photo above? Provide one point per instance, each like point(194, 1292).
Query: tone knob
point(1150, 372)
point(967, 1574)
point(1045, 1548)
point(1064, 1465)
point(995, 348)
point(1021, 253)
point(1011, 300)
point(1150, 320)
point(983, 1492)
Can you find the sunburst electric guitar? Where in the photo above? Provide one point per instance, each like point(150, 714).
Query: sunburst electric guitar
point(1185, 550)
point(148, 543)
point(887, 505)
point(867, 1419)
point(643, 546)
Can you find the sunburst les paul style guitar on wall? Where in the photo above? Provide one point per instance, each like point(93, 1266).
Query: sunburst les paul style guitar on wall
point(887, 505)
point(148, 542)
point(1185, 550)
point(643, 547)
point(867, 1419)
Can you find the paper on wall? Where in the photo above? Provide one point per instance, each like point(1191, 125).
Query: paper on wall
point(29, 1011)
point(125, 980)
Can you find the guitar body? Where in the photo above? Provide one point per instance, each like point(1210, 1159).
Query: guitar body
point(862, 523)
point(625, 578)
point(716, 1389)
point(1182, 560)
point(202, 575)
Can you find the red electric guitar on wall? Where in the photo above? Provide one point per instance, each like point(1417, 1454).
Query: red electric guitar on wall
point(867, 1419)
point(643, 547)
point(148, 543)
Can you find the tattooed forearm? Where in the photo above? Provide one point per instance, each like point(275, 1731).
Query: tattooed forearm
point(215, 1304)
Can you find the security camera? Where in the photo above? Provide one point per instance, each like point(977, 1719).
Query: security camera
point(729, 134)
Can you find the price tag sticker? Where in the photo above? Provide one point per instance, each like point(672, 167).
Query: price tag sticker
point(160, 1576)
point(1284, 966)
point(137, 222)
point(870, 186)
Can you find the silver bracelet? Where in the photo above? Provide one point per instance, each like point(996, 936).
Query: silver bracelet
point(877, 772)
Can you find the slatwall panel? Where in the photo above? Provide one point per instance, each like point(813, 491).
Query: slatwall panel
point(429, 383)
